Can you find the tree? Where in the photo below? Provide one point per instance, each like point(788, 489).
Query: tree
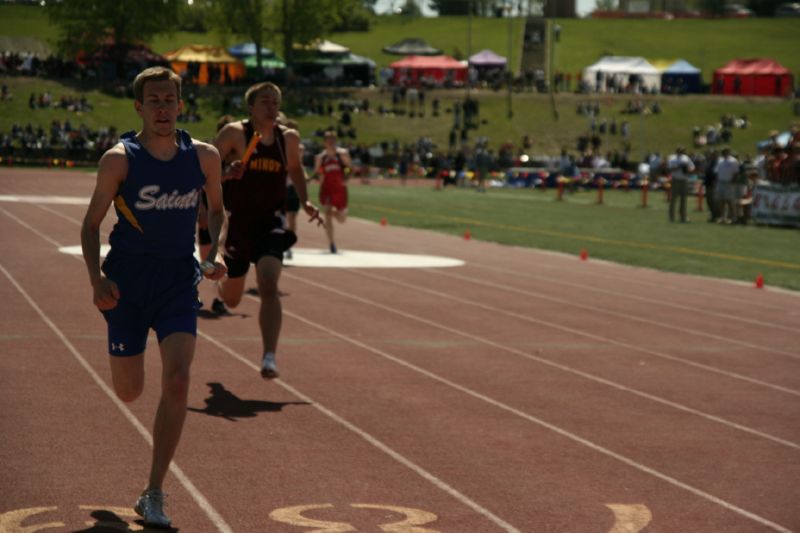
point(713, 7)
point(764, 8)
point(411, 9)
point(356, 17)
point(481, 8)
point(605, 5)
point(293, 21)
point(86, 25)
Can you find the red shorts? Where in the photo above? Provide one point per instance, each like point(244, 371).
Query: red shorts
point(333, 196)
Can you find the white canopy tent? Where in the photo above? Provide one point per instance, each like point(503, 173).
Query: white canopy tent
point(620, 69)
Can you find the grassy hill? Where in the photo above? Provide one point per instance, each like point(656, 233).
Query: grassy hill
point(707, 44)
point(618, 230)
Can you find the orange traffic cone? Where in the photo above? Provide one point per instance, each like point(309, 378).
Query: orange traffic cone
point(584, 255)
point(759, 281)
point(383, 221)
point(467, 235)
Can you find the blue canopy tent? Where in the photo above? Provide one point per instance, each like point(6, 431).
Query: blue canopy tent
point(244, 50)
point(681, 77)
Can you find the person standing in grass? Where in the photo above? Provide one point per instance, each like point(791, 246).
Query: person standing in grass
point(710, 184)
point(727, 169)
point(149, 278)
point(680, 167)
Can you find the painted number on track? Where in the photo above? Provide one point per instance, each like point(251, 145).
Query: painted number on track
point(629, 518)
point(412, 518)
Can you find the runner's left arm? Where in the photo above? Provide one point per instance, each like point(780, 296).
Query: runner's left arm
point(295, 169)
point(210, 163)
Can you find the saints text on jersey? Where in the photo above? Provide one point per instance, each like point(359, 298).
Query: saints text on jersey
point(149, 198)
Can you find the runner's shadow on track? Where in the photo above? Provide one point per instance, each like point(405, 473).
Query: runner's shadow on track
point(211, 315)
point(253, 291)
point(225, 404)
point(110, 522)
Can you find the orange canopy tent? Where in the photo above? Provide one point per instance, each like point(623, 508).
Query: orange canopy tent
point(206, 64)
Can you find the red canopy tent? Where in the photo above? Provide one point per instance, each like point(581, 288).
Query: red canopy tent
point(763, 77)
point(438, 69)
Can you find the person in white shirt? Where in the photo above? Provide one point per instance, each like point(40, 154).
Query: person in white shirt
point(727, 195)
point(680, 167)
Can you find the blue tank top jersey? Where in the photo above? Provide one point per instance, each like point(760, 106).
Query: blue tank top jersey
point(157, 203)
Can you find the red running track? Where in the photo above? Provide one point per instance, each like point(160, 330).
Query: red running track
point(523, 391)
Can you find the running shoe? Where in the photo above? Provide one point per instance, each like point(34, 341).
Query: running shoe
point(150, 506)
point(218, 307)
point(268, 368)
point(288, 254)
point(333, 248)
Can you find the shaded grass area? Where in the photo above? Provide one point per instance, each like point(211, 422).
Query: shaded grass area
point(619, 230)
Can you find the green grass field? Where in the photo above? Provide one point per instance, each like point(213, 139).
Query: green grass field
point(618, 230)
point(532, 114)
point(707, 44)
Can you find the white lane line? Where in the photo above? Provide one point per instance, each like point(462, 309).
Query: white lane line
point(565, 433)
point(648, 300)
point(366, 436)
point(568, 265)
point(541, 360)
point(564, 329)
point(39, 199)
point(184, 480)
point(569, 435)
point(633, 318)
point(438, 483)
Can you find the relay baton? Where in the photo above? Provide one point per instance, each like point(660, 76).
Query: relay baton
point(251, 148)
point(207, 267)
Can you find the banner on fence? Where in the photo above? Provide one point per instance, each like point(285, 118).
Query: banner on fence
point(777, 205)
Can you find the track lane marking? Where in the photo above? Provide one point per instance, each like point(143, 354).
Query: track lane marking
point(565, 433)
point(651, 300)
point(222, 526)
point(633, 318)
point(184, 480)
point(698, 492)
point(587, 238)
point(564, 329)
point(561, 268)
point(440, 484)
point(554, 364)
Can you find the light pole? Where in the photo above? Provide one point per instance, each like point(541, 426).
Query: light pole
point(469, 43)
point(510, 73)
point(551, 45)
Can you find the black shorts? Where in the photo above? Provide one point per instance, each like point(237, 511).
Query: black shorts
point(248, 241)
point(292, 200)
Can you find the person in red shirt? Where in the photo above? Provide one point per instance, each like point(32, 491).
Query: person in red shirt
point(333, 166)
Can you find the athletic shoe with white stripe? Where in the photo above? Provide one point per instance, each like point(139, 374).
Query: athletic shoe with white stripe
point(150, 506)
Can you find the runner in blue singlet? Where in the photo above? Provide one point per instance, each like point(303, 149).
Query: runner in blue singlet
point(149, 278)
